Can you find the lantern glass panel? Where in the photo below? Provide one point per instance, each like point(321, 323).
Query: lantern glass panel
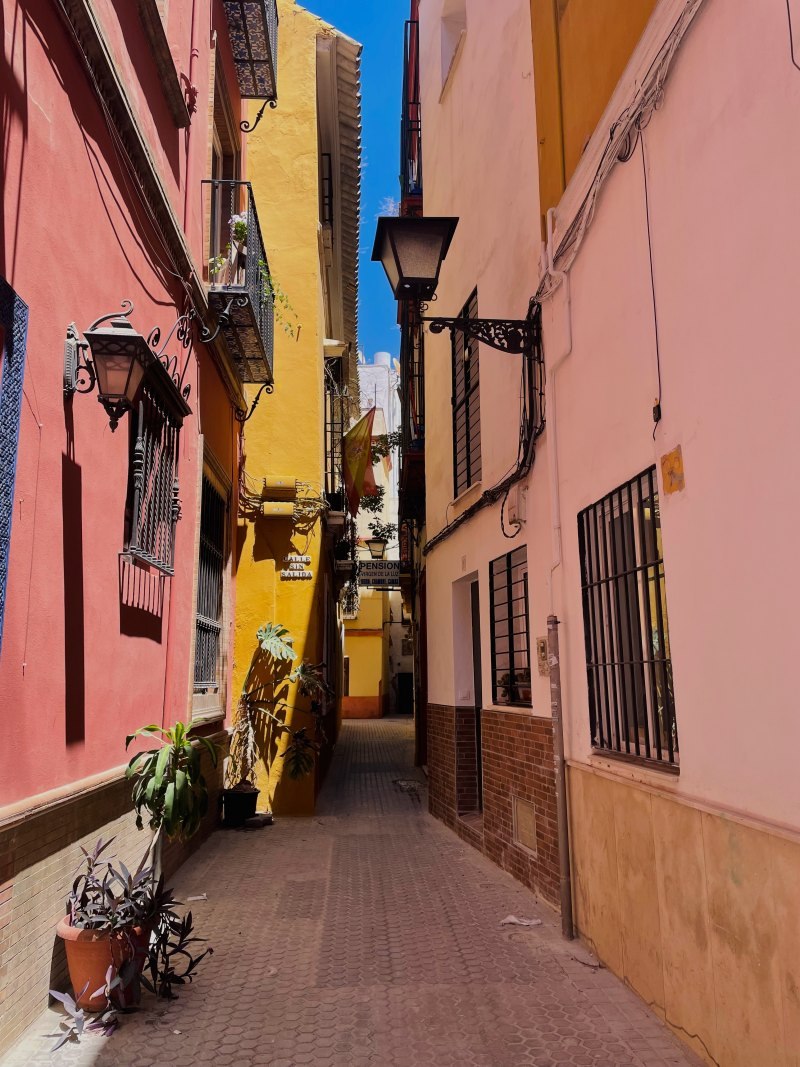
point(113, 372)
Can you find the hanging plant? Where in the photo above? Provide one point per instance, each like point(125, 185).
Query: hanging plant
point(282, 308)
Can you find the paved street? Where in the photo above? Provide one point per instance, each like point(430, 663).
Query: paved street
point(370, 935)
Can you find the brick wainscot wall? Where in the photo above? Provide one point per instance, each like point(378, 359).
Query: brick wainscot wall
point(517, 829)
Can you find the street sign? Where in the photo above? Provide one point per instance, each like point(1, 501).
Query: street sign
point(379, 573)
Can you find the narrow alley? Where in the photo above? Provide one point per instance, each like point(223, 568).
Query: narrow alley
point(370, 935)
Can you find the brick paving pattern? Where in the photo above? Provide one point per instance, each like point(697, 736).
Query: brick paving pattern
point(370, 935)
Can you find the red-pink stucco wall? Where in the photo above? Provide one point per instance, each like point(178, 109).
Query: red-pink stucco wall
point(84, 661)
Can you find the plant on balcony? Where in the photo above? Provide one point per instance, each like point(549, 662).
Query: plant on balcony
point(383, 444)
point(373, 504)
point(281, 306)
point(383, 531)
point(238, 225)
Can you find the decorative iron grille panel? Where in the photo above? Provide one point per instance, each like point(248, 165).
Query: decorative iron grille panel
point(411, 122)
point(628, 665)
point(210, 571)
point(511, 660)
point(13, 338)
point(154, 504)
point(253, 32)
point(466, 404)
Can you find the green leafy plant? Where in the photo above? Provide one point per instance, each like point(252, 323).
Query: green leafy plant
point(373, 504)
point(168, 781)
point(276, 641)
point(216, 263)
point(310, 679)
point(383, 444)
point(383, 531)
point(238, 225)
point(282, 308)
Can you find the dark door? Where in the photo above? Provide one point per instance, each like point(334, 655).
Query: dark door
point(405, 693)
point(475, 603)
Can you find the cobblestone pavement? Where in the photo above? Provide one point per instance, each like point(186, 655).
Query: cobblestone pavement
point(370, 935)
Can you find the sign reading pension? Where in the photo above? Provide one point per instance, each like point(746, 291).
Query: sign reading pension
point(379, 572)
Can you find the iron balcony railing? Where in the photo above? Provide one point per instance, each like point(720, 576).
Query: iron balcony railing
point(253, 32)
point(241, 292)
point(335, 425)
point(411, 122)
point(412, 380)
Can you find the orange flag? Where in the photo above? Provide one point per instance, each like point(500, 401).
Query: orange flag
point(357, 461)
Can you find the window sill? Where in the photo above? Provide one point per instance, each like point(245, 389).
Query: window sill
point(466, 497)
point(630, 758)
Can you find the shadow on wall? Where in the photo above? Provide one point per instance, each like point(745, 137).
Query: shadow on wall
point(74, 620)
point(141, 600)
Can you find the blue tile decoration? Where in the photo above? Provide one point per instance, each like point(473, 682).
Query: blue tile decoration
point(14, 324)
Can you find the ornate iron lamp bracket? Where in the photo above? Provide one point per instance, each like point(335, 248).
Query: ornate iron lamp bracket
point(506, 335)
point(247, 127)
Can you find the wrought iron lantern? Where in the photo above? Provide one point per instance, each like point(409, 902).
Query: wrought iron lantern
point(376, 546)
point(120, 357)
point(412, 251)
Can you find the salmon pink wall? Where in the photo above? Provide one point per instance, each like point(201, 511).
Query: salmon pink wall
point(85, 659)
point(723, 169)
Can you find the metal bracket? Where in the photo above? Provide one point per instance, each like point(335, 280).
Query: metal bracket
point(246, 127)
point(506, 335)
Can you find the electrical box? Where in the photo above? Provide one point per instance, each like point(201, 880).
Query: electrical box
point(516, 505)
point(278, 487)
point(541, 656)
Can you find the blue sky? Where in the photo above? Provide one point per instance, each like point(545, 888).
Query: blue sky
point(378, 25)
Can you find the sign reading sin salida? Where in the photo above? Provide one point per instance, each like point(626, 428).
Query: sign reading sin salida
point(297, 568)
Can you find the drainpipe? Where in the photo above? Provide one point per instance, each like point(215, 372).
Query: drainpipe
point(550, 405)
point(562, 818)
point(553, 654)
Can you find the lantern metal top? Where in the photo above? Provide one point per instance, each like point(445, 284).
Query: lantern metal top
point(412, 251)
point(376, 546)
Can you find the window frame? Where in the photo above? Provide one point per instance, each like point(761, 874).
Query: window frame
point(508, 565)
point(465, 357)
point(630, 682)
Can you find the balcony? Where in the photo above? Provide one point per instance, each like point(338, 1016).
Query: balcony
point(253, 32)
point(240, 288)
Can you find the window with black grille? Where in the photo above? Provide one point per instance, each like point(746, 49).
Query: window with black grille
point(210, 580)
point(631, 695)
point(511, 663)
point(466, 404)
point(153, 502)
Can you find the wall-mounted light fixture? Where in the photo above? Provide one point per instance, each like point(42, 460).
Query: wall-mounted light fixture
point(115, 358)
point(412, 250)
point(376, 546)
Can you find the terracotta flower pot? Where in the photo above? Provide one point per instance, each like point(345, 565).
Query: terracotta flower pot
point(89, 955)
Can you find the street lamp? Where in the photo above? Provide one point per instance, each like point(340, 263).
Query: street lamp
point(113, 357)
point(376, 546)
point(412, 250)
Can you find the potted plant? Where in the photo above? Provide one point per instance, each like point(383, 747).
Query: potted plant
point(239, 800)
point(168, 781)
point(106, 930)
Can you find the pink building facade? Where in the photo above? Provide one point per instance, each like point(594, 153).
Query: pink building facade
point(650, 524)
point(115, 608)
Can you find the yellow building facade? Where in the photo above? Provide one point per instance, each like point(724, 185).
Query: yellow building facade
point(304, 162)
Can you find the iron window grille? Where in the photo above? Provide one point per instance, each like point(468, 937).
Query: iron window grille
point(511, 659)
point(466, 404)
point(326, 190)
point(210, 580)
point(154, 505)
point(628, 665)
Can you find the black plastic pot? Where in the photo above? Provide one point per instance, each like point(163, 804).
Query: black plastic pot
point(238, 806)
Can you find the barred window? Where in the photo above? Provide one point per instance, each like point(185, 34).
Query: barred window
point(466, 404)
point(210, 580)
point(511, 663)
point(153, 503)
point(631, 696)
